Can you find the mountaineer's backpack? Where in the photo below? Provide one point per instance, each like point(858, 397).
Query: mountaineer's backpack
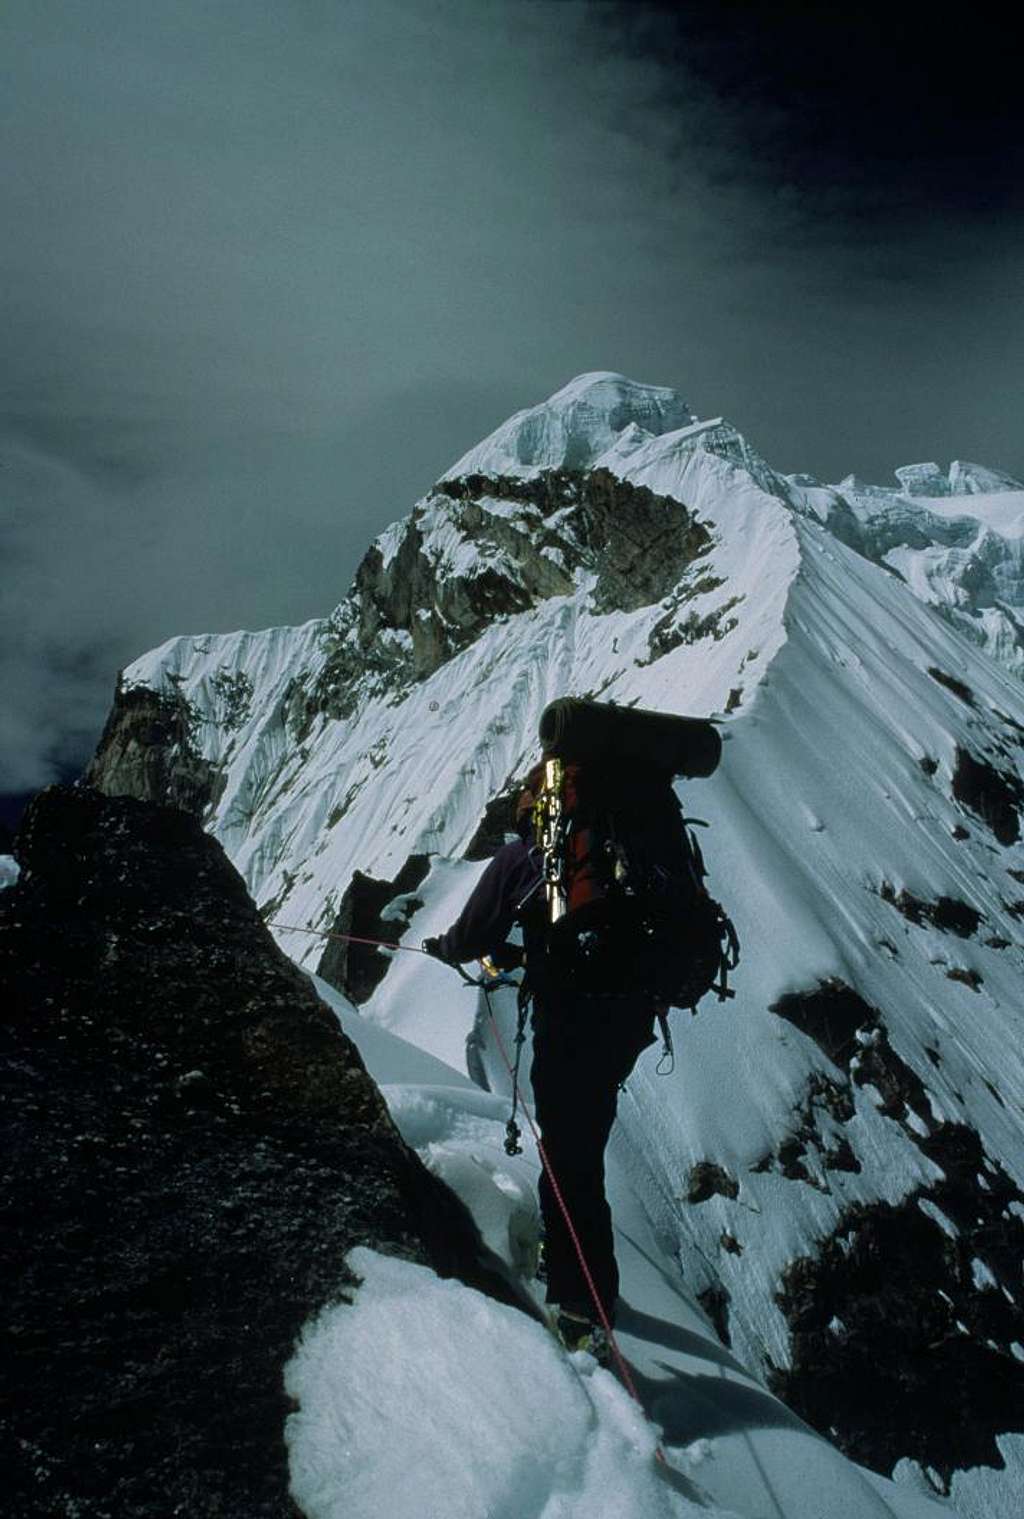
point(625, 904)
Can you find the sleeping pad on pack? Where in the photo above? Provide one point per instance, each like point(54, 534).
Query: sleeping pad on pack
point(590, 731)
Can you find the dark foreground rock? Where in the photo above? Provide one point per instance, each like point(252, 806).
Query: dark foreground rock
point(191, 1146)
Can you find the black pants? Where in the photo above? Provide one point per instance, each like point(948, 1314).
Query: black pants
point(583, 1049)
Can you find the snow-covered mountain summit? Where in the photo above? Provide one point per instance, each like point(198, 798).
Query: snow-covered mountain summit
point(835, 1170)
point(576, 426)
point(604, 421)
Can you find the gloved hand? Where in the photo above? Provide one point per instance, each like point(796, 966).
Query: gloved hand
point(508, 956)
point(432, 947)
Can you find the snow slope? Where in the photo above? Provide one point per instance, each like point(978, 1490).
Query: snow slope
point(864, 836)
point(551, 1436)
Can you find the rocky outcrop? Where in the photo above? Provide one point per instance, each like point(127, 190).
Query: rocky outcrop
point(948, 914)
point(905, 1319)
point(372, 915)
point(497, 823)
point(831, 1014)
point(637, 542)
point(148, 750)
point(993, 794)
point(417, 601)
point(902, 1331)
point(191, 1147)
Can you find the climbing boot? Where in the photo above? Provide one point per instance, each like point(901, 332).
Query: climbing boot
point(578, 1332)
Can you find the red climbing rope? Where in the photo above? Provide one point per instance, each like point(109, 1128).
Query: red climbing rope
point(319, 933)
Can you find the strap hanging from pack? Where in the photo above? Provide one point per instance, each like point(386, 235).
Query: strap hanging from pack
point(667, 1064)
point(730, 957)
point(513, 1133)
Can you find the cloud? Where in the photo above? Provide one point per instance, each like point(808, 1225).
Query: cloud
point(49, 675)
point(114, 537)
point(269, 266)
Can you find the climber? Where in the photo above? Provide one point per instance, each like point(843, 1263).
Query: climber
point(607, 881)
point(583, 1049)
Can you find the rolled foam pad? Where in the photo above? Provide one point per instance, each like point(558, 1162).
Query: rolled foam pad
point(572, 729)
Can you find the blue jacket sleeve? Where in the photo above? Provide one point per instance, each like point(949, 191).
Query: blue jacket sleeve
point(487, 919)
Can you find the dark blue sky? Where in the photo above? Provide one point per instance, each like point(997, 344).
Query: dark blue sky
point(879, 111)
point(269, 267)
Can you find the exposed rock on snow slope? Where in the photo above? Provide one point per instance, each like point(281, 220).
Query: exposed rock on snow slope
point(190, 1148)
point(867, 1084)
point(150, 752)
